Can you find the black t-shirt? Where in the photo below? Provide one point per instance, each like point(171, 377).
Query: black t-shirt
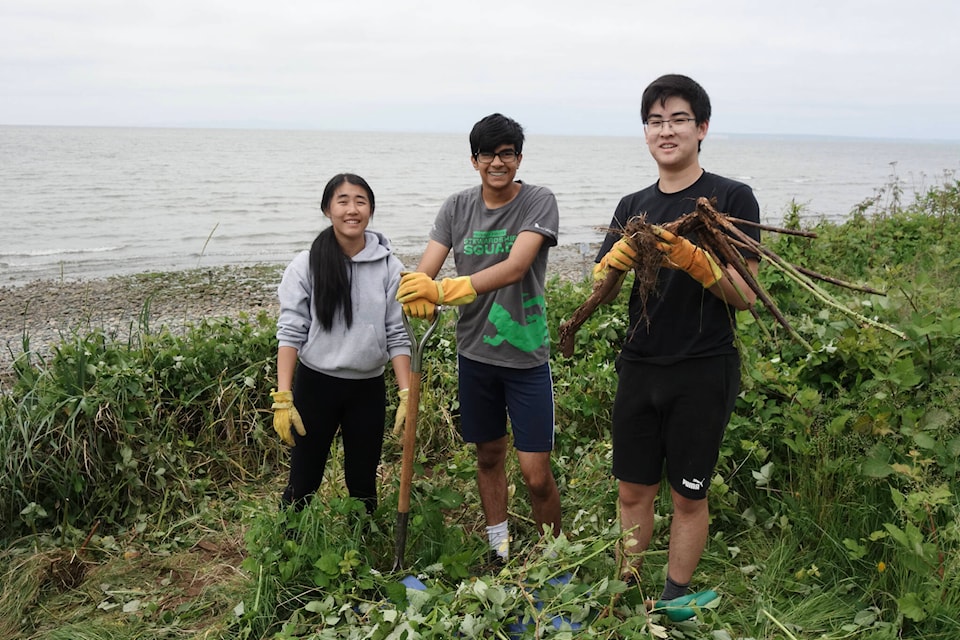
point(685, 320)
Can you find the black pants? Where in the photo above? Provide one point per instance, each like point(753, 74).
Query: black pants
point(355, 408)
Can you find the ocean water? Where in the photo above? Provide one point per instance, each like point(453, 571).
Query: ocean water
point(79, 202)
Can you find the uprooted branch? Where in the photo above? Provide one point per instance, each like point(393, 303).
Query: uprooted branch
point(719, 235)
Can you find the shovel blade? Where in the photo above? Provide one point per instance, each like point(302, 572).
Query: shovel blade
point(401, 542)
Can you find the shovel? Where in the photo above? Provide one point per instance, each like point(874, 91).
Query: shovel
point(410, 435)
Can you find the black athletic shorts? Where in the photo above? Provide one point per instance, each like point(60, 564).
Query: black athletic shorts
point(674, 414)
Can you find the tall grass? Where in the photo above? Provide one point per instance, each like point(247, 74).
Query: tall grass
point(104, 431)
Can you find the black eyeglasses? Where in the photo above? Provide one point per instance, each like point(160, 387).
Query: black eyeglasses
point(507, 156)
point(675, 123)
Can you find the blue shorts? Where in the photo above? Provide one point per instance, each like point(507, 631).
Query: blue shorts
point(489, 392)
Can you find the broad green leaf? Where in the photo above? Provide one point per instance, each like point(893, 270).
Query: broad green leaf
point(874, 468)
point(911, 607)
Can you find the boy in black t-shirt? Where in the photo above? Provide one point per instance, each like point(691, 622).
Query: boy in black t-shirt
point(679, 374)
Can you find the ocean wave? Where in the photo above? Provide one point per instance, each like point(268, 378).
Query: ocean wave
point(43, 253)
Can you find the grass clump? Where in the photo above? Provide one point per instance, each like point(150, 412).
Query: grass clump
point(104, 431)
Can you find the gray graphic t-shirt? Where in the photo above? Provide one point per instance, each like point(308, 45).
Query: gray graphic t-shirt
point(506, 327)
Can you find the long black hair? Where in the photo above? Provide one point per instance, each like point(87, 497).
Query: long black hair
point(329, 265)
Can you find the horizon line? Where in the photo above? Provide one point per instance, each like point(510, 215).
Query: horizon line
point(714, 134)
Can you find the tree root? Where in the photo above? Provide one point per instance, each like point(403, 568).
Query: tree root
point(720, 236)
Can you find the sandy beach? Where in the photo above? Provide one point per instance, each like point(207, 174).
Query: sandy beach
point(46, 310)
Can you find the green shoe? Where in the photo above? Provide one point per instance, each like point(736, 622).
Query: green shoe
point(685, 607)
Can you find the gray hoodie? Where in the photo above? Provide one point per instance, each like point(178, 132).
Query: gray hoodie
point(377, 334)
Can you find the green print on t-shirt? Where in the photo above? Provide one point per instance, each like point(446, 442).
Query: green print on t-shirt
point(525, 337)
point(488, 243)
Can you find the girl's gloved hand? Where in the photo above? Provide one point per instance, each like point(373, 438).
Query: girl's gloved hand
point(401, 416)
point(285, 415)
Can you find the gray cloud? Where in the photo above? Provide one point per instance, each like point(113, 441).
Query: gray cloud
point(871, 69)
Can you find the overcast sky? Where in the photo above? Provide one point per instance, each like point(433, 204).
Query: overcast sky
point(871, 68)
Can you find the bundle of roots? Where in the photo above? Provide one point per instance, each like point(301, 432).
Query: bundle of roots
point(719, 235)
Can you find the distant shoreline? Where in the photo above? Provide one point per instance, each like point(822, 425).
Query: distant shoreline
point(636, 134)
point(561, 256)
point(47, 310)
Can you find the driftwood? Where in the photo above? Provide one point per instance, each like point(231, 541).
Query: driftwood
point(718, 234)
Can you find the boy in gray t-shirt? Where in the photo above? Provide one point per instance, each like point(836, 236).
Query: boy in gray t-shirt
point(500, 232)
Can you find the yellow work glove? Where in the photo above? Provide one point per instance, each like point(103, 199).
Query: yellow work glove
point(401, 416)
point(420, 308)
point(622, 257)
point(449, 291)
point(285, 414)
point(680, 253)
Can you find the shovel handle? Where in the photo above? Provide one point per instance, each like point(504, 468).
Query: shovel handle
point(410, 435)
point(409, 444)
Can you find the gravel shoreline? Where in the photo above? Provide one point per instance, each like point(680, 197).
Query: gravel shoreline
point(45, 310)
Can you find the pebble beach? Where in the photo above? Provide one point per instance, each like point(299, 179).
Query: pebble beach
point(46, 310)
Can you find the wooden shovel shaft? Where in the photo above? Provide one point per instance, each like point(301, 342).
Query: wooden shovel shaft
point(409, 444)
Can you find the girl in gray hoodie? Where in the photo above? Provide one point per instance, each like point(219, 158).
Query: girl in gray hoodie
point(339, 325)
